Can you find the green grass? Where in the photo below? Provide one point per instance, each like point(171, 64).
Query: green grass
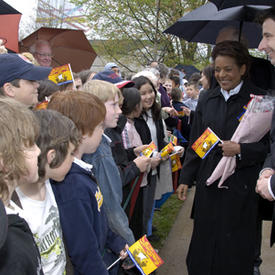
point(165, 218)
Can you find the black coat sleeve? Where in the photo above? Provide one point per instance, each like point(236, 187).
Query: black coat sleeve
point(192, 160)
point(127, 169)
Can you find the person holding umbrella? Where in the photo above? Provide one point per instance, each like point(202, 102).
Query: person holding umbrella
point(224, 231)
point(42, 52)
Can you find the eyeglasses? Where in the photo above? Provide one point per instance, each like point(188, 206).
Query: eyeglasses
point(44, 54)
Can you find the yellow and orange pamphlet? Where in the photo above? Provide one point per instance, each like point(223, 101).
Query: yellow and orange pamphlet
point(175, 163)
point(144, 256)
point(149, 150)
point(181, 113)
point(205, 143)
point(166, 150)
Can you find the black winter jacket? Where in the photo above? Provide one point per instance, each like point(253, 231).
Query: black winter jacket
point(127, 168)
point(19, 255)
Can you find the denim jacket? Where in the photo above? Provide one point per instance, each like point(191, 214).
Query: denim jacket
point(108, 177)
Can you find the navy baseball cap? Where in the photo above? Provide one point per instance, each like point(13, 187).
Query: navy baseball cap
point(109, 76)
point(16, 66)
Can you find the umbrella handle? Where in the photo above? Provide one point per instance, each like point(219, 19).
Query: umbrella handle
point(241, 28)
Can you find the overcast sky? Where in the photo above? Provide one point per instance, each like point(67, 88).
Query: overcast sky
point(27, 8)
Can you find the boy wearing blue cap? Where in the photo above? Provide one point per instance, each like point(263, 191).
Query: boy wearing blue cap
point(18, 78)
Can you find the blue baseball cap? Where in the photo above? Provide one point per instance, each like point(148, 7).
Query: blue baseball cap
point(110, 65)
point(109, 76)
point(16, 66)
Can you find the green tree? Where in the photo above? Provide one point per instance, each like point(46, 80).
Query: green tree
point(132, 30)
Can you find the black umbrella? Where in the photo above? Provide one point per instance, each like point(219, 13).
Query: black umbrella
point(224, 4)
point(188, 69)
point(6, 8)
point(204, 23)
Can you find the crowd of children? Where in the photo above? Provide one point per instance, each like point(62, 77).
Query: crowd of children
point(75, 183)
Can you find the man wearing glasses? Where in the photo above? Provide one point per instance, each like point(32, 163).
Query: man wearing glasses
point(42, 52)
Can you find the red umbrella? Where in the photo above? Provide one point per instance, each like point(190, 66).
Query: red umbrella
point(9, 22)
point(68, 46)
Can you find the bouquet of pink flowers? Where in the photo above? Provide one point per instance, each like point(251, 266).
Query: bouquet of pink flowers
point(254, 125)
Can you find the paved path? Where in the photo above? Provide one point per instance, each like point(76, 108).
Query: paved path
point(175, 249)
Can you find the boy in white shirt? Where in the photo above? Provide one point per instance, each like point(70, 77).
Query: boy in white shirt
point(57, 140)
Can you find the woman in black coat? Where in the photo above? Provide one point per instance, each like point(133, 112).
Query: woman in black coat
point(224, 218)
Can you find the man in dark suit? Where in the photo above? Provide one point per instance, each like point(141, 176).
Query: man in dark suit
point(266, 182)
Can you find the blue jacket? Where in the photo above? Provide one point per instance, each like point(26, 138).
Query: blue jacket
point(109, 180)
point(84, 223)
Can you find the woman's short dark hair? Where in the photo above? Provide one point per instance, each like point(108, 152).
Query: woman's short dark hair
point(142, 80)
point(46, 88)
point(235, 50)
point(131, 99)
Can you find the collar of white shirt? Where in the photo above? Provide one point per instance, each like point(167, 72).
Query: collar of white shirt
point(88, 167)
point(234, 91)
